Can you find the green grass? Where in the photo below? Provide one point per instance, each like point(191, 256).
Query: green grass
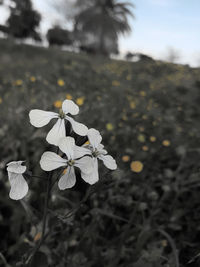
point(129, 103)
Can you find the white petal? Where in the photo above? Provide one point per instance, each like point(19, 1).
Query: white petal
point(58, 131)
point(51, 161)
point(108, 161)
point(16, 167)
point(68, 180)
point(68, 106)
point(94, 137)
point(66, 145)
point(39, 118)
point(101, 150)
point(19, 186)
point(80, 151)
point(78, 128)
point(85, 164)
point(92, 177)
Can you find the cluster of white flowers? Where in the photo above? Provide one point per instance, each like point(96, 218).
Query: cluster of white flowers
point(83, 157)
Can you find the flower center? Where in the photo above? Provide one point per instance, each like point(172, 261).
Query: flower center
point(95, 153)
point(71, 162)
point(61, 114)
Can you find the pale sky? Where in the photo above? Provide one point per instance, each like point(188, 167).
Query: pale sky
point(158, 26)
point(161, 24)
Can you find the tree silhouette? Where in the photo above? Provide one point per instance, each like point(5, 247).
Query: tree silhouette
point(59, 36)
point(23, 20)
point(105, 20)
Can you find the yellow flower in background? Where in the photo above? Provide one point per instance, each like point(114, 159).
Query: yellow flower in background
point(135, 115)
point(60, 82)
point(132, 105)
point(125, 158)
point(69, 97)
point(57, 104)
point(115, 83)
point(143, 93)
point(18, 82)
point(166, 143)
point(141, 129)
point(1, 100)
point(80, 101)
point(179, 129)
point(136, 166)
point(32, 79)
point(124, 118)
point(152, 138)
point(141, 138)
point(109, 126)
point(145, 148)
point(128, 77)
point(144, 117)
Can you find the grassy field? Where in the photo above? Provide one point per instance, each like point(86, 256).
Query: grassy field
point(147, 212)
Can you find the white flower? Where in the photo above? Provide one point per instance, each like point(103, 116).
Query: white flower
point(51, 161)
point(19, 186)
point(40, 118)
point(96, 149)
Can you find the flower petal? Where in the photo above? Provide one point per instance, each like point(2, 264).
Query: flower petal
point(78, 128)
point(85, 164)
point(108, 161)
point(94, 137)
point(19, 186)
point(68, 106)
point(68, 180)
point(93, 177)
point(101, 149)
point(51, 161)
point(80, 151)
point(58, 131)
point(39, 118)
point(66, 145)
point(16, 167)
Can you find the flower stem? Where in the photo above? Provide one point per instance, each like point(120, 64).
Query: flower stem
point(47, 197)
point(46, 205)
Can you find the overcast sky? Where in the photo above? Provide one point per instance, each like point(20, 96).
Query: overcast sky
point(158, 26)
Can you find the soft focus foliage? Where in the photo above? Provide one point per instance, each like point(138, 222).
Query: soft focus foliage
point(147, 112)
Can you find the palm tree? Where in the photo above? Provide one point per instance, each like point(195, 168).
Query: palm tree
point(104, 19)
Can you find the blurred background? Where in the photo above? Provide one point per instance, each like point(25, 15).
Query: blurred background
point(133, 69)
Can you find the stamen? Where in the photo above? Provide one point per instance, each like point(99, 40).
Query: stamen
point(61, 114)
point(95, 153)
point(71, 162)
